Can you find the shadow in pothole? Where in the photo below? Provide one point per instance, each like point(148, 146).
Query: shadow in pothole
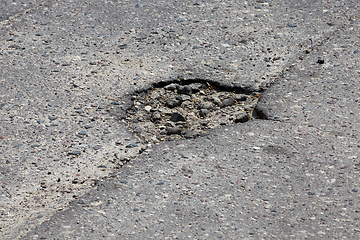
point(184, 109)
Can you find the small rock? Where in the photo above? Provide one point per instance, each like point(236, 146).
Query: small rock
point(185, 97)
point(155, 116)
point(249, 107)
point(186, 170)
point(203, 112)
point(132, 145)
point(206, 105)
point(148, 108)
point(82, 133)
point(171, 87)
point(75, 153)
point(189, 134)
point(215, 100)
point(242, 117)
point(291, 25)
point(228, 102)
point(175, 130)
point(240, 97)
point(184, 89)
point(97, 147)
point(177, 117)
point(320, 61)
point(174, 101)
point(195, 87)
point(51, 118)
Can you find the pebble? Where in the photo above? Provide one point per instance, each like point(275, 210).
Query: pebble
point(51, 118)
point(156, 116)
point(148, 108)
point(185, 97)
point(206, 105)
point(320, 61)
point(195, 87)
point(97, 147)
point(177, 117)
point(240, 97)
point(173, 102)
point(171, 87)
point(249, 107)
point(291, 25)
point(242, 117)
point(75, 153)
point(215, 100)
point(132, 145)
point(228, 102)
point(190, 134)
point(174, 130)
point(203, 112)
point(184, 89)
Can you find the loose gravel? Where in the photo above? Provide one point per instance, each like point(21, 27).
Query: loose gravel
point(186, 109)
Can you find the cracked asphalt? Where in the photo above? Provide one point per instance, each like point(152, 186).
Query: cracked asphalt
point(70, 168)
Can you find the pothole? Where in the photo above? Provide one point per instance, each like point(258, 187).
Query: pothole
point(186, 109)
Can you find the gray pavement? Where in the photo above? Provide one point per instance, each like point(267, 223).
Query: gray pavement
point(293, 173)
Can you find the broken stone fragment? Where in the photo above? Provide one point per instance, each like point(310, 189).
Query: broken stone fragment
point(242, 117)
point(189, 134)
point(185, 97)
point(173, 101)
point(171, 87)
point(188, 105)
point(206, 105)
point(147, 108)
point(177, 117)
point(184, 89)
point(203, 112)
point(173, 130)
point(228, 102)
point(240, 97)
point(195, 87)
point(155, 116)
point(215, 100)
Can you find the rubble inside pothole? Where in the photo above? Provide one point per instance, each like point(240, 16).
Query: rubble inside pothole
point(186, 110)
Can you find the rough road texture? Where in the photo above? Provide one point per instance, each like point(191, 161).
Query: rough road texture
point(63, 63)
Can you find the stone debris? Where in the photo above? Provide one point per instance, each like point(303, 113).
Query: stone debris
point(186, 110)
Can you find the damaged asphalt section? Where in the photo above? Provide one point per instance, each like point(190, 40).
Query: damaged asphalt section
point(180, 119)
point(186, 109)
